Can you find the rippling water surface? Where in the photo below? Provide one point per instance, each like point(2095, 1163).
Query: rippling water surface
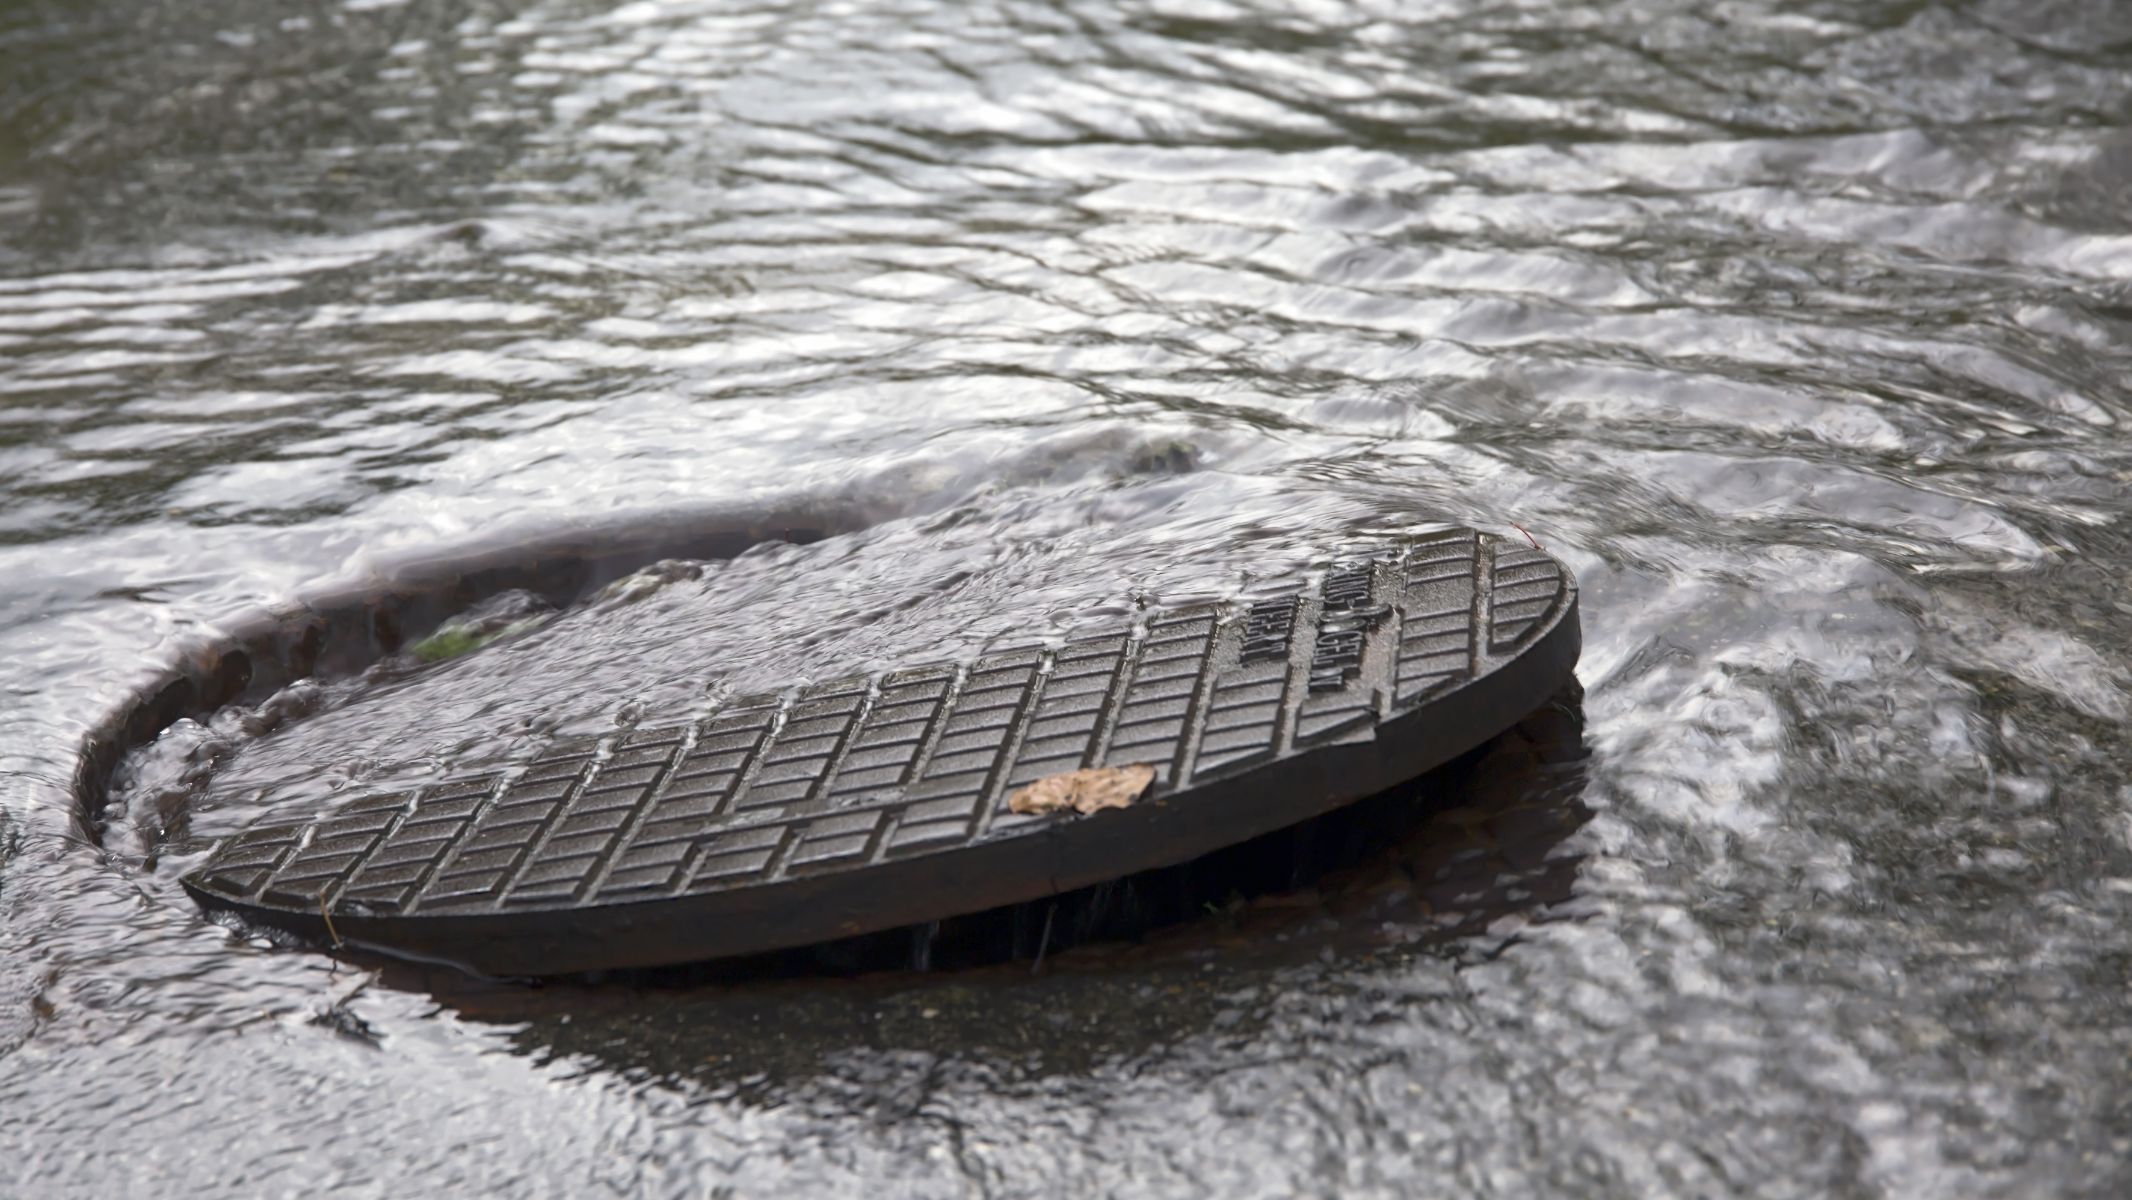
point(1801, 330)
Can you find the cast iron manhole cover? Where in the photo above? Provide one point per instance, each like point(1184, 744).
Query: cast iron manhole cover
point(876, 802)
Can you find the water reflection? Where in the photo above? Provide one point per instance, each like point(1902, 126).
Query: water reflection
point(1800, 330)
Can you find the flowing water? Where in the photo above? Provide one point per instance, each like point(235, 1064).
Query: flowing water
point(1803, 331)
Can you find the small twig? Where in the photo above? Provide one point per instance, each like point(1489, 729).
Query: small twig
point(1045, 941)
point(1528, 535)
point(337, 942)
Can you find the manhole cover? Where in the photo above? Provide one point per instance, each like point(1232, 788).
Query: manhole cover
point(875, 802)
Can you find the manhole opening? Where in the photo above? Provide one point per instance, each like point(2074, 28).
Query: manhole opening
point(342, 628)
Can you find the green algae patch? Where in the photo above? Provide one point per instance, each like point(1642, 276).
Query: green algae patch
point(498, 618)
point(454, 641)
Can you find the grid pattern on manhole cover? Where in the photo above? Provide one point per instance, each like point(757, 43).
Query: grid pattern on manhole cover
point(866, 771)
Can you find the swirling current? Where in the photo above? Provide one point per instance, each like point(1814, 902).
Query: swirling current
point(1802, 331)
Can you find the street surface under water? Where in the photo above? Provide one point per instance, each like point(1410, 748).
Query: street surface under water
point(1802, 331)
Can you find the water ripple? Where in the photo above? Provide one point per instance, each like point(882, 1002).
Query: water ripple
point(1799, 330)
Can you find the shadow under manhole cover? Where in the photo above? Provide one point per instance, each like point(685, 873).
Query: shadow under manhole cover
point(876, 802)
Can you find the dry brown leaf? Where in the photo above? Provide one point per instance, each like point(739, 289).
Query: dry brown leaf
point(1084, 791)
